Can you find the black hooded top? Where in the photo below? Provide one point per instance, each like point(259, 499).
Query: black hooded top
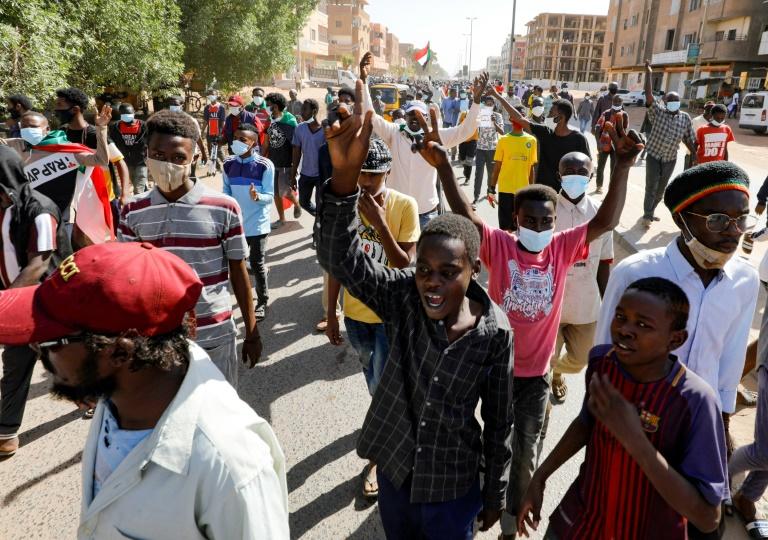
point(27, 205)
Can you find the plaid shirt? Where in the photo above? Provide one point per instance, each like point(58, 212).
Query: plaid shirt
point(667, 130)
point(422, 417)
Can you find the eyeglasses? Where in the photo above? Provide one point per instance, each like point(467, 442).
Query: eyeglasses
point(43, 346)
point(718, 223)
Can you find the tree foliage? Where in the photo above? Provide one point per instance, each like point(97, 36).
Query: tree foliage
point(239, 41)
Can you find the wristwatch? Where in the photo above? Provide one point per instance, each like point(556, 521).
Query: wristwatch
point(492, 191)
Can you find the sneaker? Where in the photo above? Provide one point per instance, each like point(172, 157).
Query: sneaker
point(276, 225)
point(261, 312)
point(296, 211)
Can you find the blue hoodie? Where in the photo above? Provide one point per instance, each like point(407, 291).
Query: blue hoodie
point(239, 174)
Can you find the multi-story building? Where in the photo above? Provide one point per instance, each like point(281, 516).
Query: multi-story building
point(563, 47)
point(393, 52)
point(379, 48)
point(312, 44)
point(494, 67)
point(686, 40)
point(517, 71)
point(349, 31)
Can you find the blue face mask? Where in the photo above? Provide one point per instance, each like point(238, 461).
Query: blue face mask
point(127, 118)
point(673, 106)
point(535, 241)
point(174, 108)
point(574, 185)
point(32, 135)
point(239, 148)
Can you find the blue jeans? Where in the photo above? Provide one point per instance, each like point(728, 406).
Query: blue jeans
point(370, 342)
point(403, 520)
point(584, 124)
point(425, 218)
point(483, 163)
point(307, 184)
point(529, 401)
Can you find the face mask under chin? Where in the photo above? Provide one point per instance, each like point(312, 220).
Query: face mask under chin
point(705, 257)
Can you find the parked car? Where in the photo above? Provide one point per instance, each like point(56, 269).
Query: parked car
point(637, 97)
point(754, 112)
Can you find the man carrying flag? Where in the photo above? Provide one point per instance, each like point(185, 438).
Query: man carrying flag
point(69, 174)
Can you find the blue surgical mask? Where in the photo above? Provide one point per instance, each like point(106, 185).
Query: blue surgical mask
point(239, 148)
point(673, 106)
point(574, 185)
point(127, 118)
point(535, 241)
point(174, 108)
point(32, 135)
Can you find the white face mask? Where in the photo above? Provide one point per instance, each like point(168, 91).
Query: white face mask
point(174, 108)
point(399, 121)
point(715, 123)
point(673, 106)
point(574, 185)
point(239, 148)
point(211, 98)
point(168, 176)
point(258, 100)
point(32, 135)
point(538, 111)
point(616, 107)
point(535, 241)
point(705, 257)
point(234, 111)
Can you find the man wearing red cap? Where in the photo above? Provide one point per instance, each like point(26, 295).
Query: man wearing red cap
point(172, 452)
point(237, 115)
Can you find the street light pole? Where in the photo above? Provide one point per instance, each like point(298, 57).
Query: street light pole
point(466, 54)
point(469, 66)
point(512, 41)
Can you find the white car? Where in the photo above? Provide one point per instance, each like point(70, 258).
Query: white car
point(637, 97)
point(754, 112)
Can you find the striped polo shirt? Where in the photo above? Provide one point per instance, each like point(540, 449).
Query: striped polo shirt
point(612, 497)
point(205, 229)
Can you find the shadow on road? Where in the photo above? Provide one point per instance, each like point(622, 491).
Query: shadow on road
point(71, 462)
point(44, 429)
point(328, 454)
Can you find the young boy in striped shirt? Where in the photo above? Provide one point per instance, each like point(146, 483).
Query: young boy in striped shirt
point(653, 431)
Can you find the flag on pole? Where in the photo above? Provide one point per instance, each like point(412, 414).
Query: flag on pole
point(423, 56)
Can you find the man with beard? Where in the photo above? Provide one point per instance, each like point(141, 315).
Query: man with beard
point(172, 452)
point(17, 104)
point(34, 245)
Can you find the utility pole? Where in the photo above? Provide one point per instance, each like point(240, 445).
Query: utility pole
point(697, 66)
point(466, 55)
point(512, 42)
point(469, 66)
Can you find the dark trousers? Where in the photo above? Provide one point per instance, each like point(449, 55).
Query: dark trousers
point(602, 157)
point(657, 175)
point(483, 163)
point(467, 151)
point(403, 520)
point(18, 363)
point(506, 209)
point(258, 247)
point(308, 184)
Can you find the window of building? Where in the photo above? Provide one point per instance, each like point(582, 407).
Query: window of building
point(732, 34)
point(323, 32)
point(312, 34)
point(669, 42)
point(622, 52)
point(625, 24)
point(688, 39)
point(693, 5)
point(719, 35)
point(610, 49)
point(634, 20)
point(338, 24)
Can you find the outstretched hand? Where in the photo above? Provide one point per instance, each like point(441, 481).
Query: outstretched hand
point(365, 66)
point(431, 147)
point(348, 139)
point(479, 86)
point(627, 144)
point(104, 117)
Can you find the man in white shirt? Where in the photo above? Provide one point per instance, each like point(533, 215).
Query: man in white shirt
point(410, 174)
point(710, 205)
point(586, 280)
point(172, 452)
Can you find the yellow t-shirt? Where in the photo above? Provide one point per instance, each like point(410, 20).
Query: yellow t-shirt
point(475, 135)
point(115, 155)
point(517, 154)
point(402, 215)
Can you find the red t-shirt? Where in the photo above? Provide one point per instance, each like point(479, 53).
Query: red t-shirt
point(712, 142)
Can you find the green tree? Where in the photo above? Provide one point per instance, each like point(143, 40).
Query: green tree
point(240, 41)
point(36, 54)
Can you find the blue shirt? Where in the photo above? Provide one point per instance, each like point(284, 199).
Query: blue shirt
point(451, 109)
point(239, 173)
point(310, 144)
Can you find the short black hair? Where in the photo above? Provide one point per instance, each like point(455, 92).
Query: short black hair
point(124, 108)
point(564, 106)
point(537, 87)
point(278, 99)
point(719, 108)
point(36, 114)
point(173, 123)
point(672, 294)
point(73, 96)
point(454, 226)
point(536, 193)
point(312, 103)
point(344, 90)
point(20, 99)
point(247, 127)
point(256, 90)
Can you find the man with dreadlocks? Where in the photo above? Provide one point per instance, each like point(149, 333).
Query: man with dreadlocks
point(172, 452)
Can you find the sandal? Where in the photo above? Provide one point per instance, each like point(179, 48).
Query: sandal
point(745, 397)
point(757, 529)
point(559, 388)
point(370, 484)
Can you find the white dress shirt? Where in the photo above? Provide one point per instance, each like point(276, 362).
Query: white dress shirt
point(581, 303)
point(410, 174)
point(719, 320)
point(211, 468)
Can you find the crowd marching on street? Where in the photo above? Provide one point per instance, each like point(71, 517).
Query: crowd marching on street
point(118, 265)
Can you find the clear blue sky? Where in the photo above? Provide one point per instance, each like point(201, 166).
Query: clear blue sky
point(443, 23)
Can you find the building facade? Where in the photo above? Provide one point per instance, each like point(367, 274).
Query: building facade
point(518, 59)
point(494, 67)
point(563, 47)
point(686, 40)
point(393, 53)
point(311, 49)
point(349, 31)
point(379, 48)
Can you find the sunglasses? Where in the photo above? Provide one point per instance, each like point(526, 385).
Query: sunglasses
point(42, 347)
point(718, 223)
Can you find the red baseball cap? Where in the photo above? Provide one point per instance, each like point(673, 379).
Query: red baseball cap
point(106, 289)
point(235, 100)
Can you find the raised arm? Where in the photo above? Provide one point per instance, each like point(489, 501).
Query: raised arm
point(514, 115)
point(387, 131)
point(450, 137)
point(627, 146)
point(648, 84)
point(101, 157)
